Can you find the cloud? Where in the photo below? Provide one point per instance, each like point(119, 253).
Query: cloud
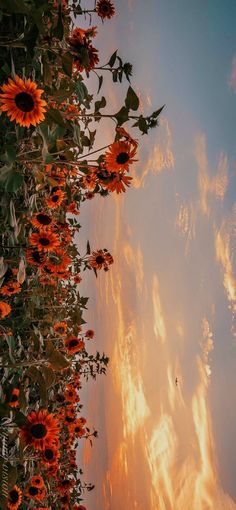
point(186, 222)
point(232, 79)
point(215, 186)
point(224, 254)
point(161, 155)
point(159, 321)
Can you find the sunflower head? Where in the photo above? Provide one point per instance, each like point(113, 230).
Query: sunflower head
point(105, 9)
point(21, 100)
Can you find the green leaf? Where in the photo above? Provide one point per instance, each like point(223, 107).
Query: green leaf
point(141, 124)
point(57, 360)
point(19, 418)
point(47, 72)
point(55, 116)
point(100, 104)
point(132, 100)
point(122, 115)
point(88, 248)
point(112, 59)
point(35, 374)
point(67, 62)
point(157, 112)
point(13, 182)
point(49, 376)
point(22, 399)
point(4, 410)
point(100, 82)
point(9, 156)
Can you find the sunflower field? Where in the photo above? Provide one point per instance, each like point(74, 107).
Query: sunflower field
point(48, 131)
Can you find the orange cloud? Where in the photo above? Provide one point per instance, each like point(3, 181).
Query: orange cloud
point(185, 221)
point(161, 156)
point(224, 254)
point(159, 321)
point(215, 186)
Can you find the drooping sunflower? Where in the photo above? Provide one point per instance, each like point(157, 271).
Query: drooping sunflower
point(14, 398)
point(74, 344)
point(89, 334)
point(60, 328)
point(5, 309)
point(119, 156)
point(21, 100)
point(10, 288)
point(64, 486)
point(55, 199)
point(85, 55)
point(40, 430)
point(65, 501)
point(100, 259)
point(117, 182)
point(44, 241)
point(14, 498)
point(105, 9)
point(42, 220)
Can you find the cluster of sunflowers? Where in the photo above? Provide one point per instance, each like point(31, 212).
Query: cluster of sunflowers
point(45, 175)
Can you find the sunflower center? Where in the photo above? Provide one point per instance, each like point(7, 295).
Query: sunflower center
point(73, 343)
point(38, 431)
point(14, 398)
point(105, 8)
point(48, 453)
point(44, 219)
point(100, 259)
point(44, 241)
point(14, 496)
point(37, 481)
point(55, 198)
point(33, 491)
point(36, 256)
point(122, 158)
point(24, 102)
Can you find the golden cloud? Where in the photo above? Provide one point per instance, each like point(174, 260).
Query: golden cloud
point(208, 185)
point(161, 156)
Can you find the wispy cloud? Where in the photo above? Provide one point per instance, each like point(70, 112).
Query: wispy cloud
point(232, 79)
point(159, 321)
point(215, 185)
point(224, 254)
point(161, 156)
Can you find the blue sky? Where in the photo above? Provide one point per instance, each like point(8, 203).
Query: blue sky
point(167, 306)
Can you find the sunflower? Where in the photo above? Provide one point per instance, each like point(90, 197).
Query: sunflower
point(119, 156)
point(35, 493)
point(76, 429)
point(14, 398)
point(14, 498)
point(117, 182)
point(50, 455)
point(100, 259)
point(105, 9)
point(64, 486)
point(35, 257)
point(77, 278)
point(38, 481)
point(22, 102)
point(89, 334)
point(71, 394)
point(85, 55)
point(74, 344)
point(60, 328)
point(55, 199)
point(10, 288)
point(40, 430)
point(57, 261)
point(5, 309)
point(65, 501)
point(45, 241)
point(42, 220)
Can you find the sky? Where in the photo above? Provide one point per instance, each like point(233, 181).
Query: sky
point(166, 309)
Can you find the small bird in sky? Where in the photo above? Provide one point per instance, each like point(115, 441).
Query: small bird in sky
point(176, 381)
